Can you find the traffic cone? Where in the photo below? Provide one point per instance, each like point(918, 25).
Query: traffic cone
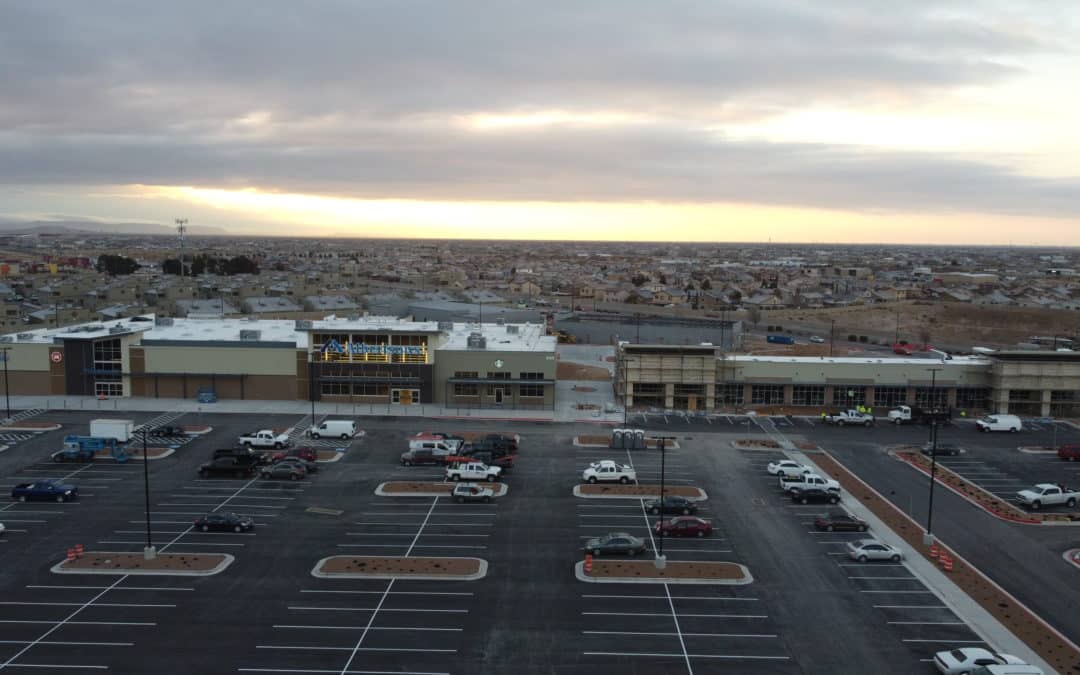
point(78, 550)
point(588, 563)
point(934, 551)
point(71, 555)
point(947, 565)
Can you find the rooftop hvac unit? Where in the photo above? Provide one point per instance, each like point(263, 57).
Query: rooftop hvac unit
point(476, 341)
point(303, 324)
point(163, 321)
point(499, 321)
point(446, 325)
point(117, 329)
point(6, 338)
point(250, 335)
point(511, 330)
point(25, 336)
point(93, 328)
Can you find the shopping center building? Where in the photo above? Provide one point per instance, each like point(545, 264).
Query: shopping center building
point(354, 360)
point(703, 378)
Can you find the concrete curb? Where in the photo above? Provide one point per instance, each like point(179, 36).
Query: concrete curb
point(4, 447)
point(31, 429)
point(480, 574)
point(337, 458)
point(1072, 556)
point(1018, 520)
point(702, 495)
point(1030, 450)
point(579, 572)
point(168, 452)
point(500, 490)
point(228, 559)
point(201, 432)
point(952, 596)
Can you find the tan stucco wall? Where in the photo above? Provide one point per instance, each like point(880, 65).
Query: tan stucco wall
point(27, 357)
point(224, 360)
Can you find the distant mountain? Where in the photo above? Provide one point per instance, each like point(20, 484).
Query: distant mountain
point(10, 226)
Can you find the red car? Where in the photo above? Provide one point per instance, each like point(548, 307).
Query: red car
point(684, 526)
point(303, 452)
point(1069, 452)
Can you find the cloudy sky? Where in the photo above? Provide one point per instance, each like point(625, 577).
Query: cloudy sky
point(719, 120)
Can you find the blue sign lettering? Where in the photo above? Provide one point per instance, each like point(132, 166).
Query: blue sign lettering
point(360, 348)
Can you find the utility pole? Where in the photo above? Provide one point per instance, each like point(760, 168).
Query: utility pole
point(897, 326)
point(149, 552)
point(832, 335)
point(181, 227)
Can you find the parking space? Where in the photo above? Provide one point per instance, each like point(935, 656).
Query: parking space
point(912, 612)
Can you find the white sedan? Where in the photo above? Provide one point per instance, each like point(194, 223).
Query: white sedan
point(788, 468)
point(967, 659)
point(1, 528)
point(872, 549)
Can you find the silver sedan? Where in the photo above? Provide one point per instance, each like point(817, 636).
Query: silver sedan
point(872, 549)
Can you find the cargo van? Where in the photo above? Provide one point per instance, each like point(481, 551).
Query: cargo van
point(335, 429)
point(999, 423)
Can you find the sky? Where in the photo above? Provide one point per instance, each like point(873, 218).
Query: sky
point(842, 121)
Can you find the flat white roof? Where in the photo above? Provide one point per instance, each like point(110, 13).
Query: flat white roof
point(228, 330)
point(529, 337)
point(864, 360)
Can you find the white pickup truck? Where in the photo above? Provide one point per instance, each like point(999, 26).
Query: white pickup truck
point(1047, 494)
point(608, 471)
point(850, 417)
point(472, 471)
point(808, 480)
point(264, 438)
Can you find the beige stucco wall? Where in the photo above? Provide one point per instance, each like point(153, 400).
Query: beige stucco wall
point(883, 373)
point(220, 359)
point(27, 356)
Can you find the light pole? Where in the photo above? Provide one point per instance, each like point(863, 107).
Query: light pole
point(832, 335)
point(928, 538)
point(148, 553)
point(661, 561)
point(311, 390)
point(7, 394)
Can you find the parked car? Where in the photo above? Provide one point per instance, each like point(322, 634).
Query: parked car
point(817, 339)
point(684, 526)
point(615, 543)
point(472, 492)
point(815, 495)
point(303, 452)
point(1, 528)
point(226, 465)
point(967, 659)
point(170, 430)
point(501, 442)
point(1070, 453)
point(872, 549)
point(284, 470)
point(224, 522)
point(243, 455)
point(45, 491)
point(838, 521)
point(308, 467)
point(422, 457)
point(672, 504)
point(949, 449)
point(787, 467)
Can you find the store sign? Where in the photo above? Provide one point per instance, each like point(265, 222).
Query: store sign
point(360, 348)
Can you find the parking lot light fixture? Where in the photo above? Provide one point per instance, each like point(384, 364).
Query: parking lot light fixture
point(661, 442)
point(149, 553)
point(928, 538)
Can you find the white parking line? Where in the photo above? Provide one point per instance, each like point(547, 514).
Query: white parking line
point(662, 597)
point(118, 588)
point(83, 623)
point(445, 547)
point(324, 671)
point(950, 641)
point(409, 628)
point(889, 578)
point(691, 616)
point(183, 496)
point(433, 524)
point(79, 604)
point(306, 608)
point(910, 607)
point(345, 592)
point(898, 592)
point(409, 534)
point(723, 635)
point(356, 649)
point(734, 657)
point(142, 542)
point(239, 506)
point(70, 644)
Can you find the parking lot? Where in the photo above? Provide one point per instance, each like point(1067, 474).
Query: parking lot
point(267, 613)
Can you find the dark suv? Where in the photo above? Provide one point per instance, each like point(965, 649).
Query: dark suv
point(500, 442)
point(243, 454)
point(227, 466)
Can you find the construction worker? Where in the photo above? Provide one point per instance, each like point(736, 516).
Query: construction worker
point(823, 415)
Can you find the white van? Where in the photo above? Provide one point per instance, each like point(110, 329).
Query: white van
point(999, 423)
point(439, 448)
point(335, 428)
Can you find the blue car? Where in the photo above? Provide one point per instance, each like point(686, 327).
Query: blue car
point(45, 491)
